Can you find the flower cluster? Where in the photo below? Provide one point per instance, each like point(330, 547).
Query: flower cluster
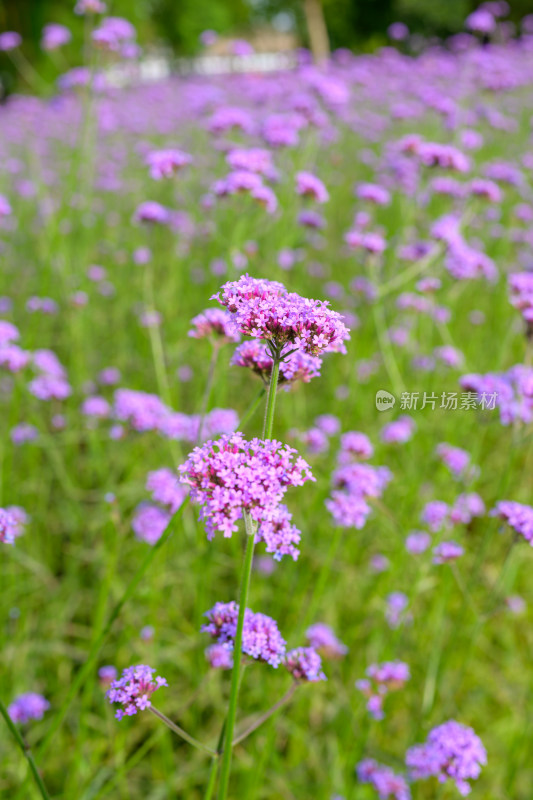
point(12, 522)
point(134, 689)
point(28, 706)
point(452, 751)
point(266, 310)
point(261, 639)
point(166, 163)
point(353, 485)
point(298, 366)
point(382, 679)
point(216, 324)
point(304, 664)
point(521, 291)
point(512, 390)
point(231, 474)
point(323, 639)
point(386, 782)
point(518, 516)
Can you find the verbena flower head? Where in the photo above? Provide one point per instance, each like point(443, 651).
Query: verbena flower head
point(28, 706)
point(298, 366)
point(9, 40)
point(309, 185)
point(166, 488)
point(304, 664)
point(452, 752)
point(447, 551)
point(417, 542)
point(381, 679)
point(322, 638)
point(153, 212)
point(266, 310)
point(166, 163)
point(55, 36)
point(216, 324)
point(278, 533)
point(521, 294)
point(387, 783)
point(232, 474)
point(261, 639)
point(8, 527)
point(150, 522)
point(220, 656)
point(518, 516)
point(134, 690)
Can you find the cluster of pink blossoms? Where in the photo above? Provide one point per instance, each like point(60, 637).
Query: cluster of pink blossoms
point(452, 752)
point(134, 689)
point(231, 474)
point(261, 639)
point(354, 483)
point(518, 516)
point(266, 310)
point(386, 782)
point(166, 163)
point(214, 323)
point(298, 366)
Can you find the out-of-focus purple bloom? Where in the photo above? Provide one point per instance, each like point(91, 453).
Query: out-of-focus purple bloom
point(328, 424)
point(28, 706)
point(107, 674)
point(24, 432)
point(150, 522)
point(220, 656)
point(9, 40)
point(166, 163)
point(452, 751)
point(399, 431)
point(518, 516)
point(373, 193)
point(447, 551)
point(304, 664)
point(435, 515)
point(166, 489)
point(322, 638)
point(55, 36)
point(396, 612)
point(308, 185)
point(216, 324)
point(481, 21)
point(152, 212)
point(96, 406)
point(387, 783)
point(417, 542)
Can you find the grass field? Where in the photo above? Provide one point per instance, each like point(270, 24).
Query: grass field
point(81, 591)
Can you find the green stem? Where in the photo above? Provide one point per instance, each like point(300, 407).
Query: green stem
point(25, 751)
point(246, 575)
point(263, 718)
point(271, 401)
point(180, 732)
point(212, 779)
point(237, 657)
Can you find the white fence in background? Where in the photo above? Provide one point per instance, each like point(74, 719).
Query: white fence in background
point(157, 67)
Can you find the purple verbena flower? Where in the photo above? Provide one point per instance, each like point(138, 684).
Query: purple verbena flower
point(261, 639)
point(28, 706)
point(304, 664)
point(134, 689)
point(452, 751)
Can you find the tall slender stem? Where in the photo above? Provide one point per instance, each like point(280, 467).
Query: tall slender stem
point(180, 732)
point(237, 661)
point(243, 599)
point(268, 423)
point(25, 751)
point(263, 718)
